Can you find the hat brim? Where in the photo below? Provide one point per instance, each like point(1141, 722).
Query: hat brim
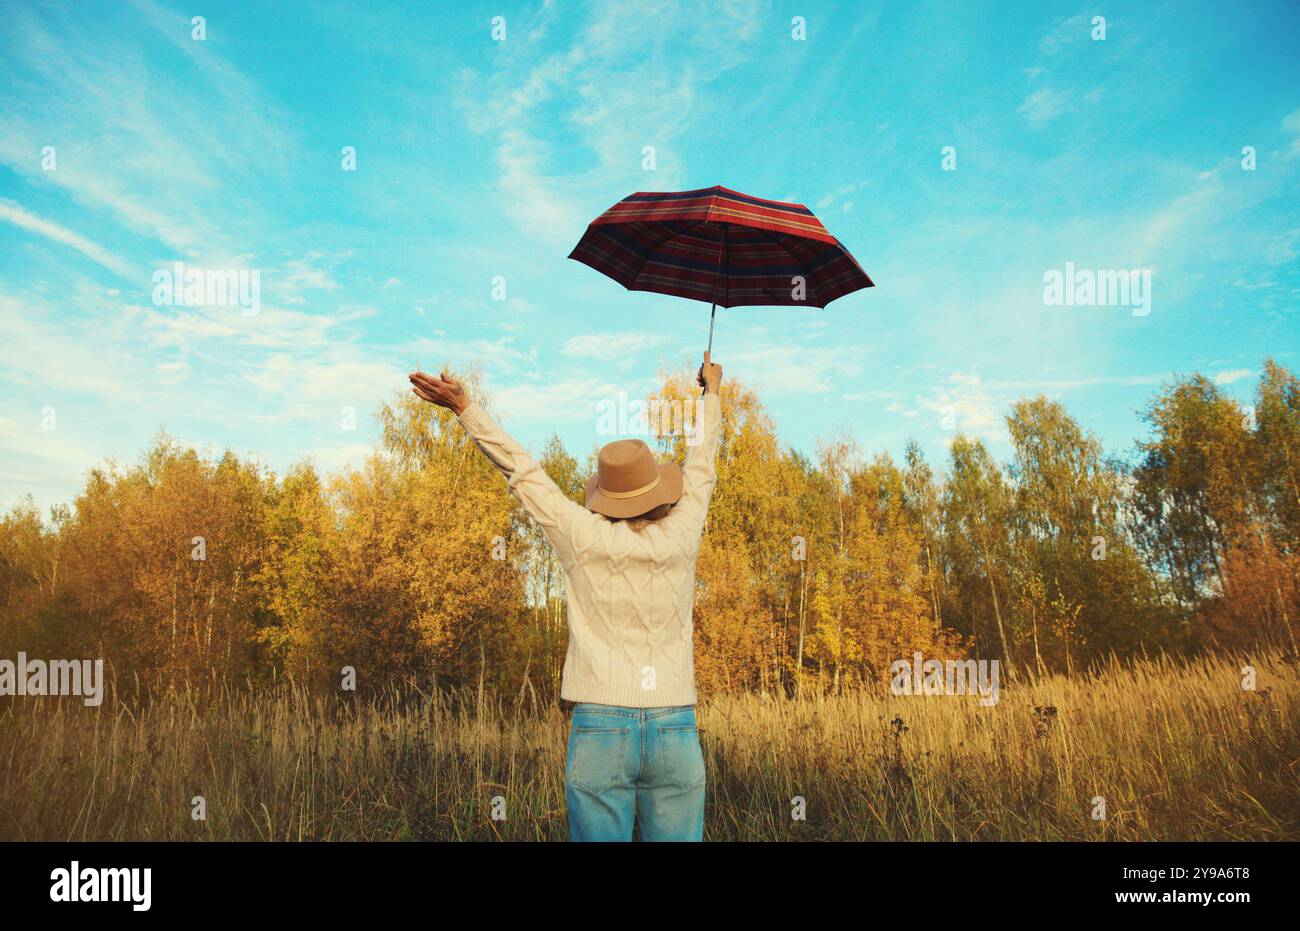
point(668, 491)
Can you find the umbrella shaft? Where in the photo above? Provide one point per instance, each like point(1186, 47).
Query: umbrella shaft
point(717, 272)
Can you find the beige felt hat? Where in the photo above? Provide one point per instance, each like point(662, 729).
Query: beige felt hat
point(628, 482)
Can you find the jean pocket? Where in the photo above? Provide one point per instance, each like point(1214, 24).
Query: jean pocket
point(682, 758)
point(596, 756)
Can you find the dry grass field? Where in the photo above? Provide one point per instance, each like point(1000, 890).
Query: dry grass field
point(1179, 751)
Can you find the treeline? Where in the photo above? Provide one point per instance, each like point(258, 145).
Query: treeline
point(813, 574)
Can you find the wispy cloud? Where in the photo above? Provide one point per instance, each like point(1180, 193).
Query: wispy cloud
point(1066, 33)
point(609, 346)
point(1044, 105)
point(480, 159)
point(162, 170)
point(1291, 125)
point(1232, 376)
point(12, 213)
point(606, 96)
point(798, 369)
point(569, 400)
point(963, 404)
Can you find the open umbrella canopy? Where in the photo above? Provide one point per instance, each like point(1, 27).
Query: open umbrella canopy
point(721, 247)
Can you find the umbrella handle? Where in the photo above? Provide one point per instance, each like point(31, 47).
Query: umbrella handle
point(717, 273)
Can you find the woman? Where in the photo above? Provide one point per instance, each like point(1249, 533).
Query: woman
point(629, 573)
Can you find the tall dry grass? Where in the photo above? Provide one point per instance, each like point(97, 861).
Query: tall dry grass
point(1177, 750)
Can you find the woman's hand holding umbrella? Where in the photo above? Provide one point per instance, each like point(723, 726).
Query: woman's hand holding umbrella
point(710, 375)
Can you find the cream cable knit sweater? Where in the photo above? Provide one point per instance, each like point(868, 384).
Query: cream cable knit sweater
point(629, 589)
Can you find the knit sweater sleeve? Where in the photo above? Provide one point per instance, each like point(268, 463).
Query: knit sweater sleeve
point(699, 475)
point(557, 514)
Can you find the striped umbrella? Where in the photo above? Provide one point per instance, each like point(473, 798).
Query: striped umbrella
point(720, 246)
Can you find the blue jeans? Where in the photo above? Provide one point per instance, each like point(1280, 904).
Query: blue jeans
point(641, 764)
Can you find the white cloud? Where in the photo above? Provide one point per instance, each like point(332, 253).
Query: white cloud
point(829, 200)
point(965, 402)
point(1232, 375)
point(156, 164)
point(794, 369)
point(1291, 124)
point(195, 328)
point(610, 346)
point(299, 276)
point(19, 217)
point(172, 373)
point(332, 459)
point(40, 350)
point(570, 401)
point(1067, 32)
point(1038, 385)
point(608, 97)
point(36, 461)
point(1044, 105)
point(1174, 219)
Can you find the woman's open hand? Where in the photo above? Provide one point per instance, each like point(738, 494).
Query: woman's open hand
point(444, 391)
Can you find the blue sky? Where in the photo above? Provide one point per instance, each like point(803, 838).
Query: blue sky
point(479, 158)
